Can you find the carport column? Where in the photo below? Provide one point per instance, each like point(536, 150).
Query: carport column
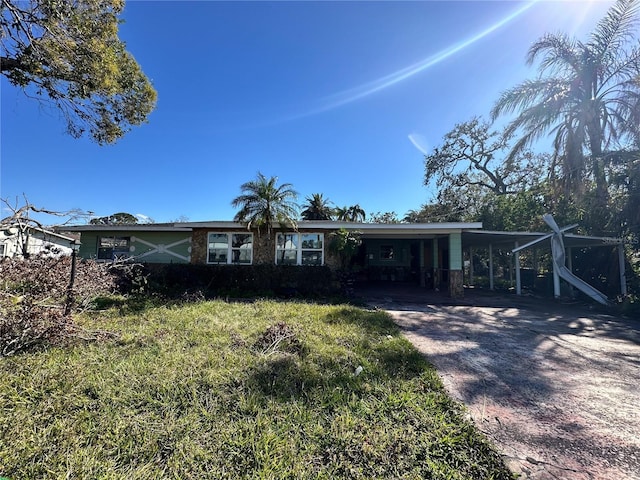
point(518, 279)
point(569, 256)
point(422, 282)
point(623, 278)
point(490, 266)
point(436, 275)
point(456, 288)
point(470, 265)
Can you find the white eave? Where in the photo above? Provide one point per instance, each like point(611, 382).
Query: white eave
point(127, 228)
point(367, 230)
point(486, 237)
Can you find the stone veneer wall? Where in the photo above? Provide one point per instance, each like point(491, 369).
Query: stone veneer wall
point(456, 288)
point(199, 246)
point(264, 248)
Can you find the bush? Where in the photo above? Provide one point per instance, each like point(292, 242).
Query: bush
point(25, 325)
point(47, 279)
point(34, 294)
point(210, 281)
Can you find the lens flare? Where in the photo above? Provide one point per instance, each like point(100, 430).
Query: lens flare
point(420, 142)
point(342, 98)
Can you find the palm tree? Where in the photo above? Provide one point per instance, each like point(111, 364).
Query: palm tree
point(317, 208)
point(587, 95)
point(354, 213)
point(263, 203)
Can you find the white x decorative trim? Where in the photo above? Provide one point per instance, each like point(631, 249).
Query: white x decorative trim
point(162, 248)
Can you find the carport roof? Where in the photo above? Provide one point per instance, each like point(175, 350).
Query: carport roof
point(484, 238)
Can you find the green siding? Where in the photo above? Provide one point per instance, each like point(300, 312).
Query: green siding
point(455, 251)
point(89, 247)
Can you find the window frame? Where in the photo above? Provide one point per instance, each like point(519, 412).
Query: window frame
point(299, 248)
point(115, 251)
point(230, 248)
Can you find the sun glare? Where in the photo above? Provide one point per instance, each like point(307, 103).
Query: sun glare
point(575, 17)
point(357, 93)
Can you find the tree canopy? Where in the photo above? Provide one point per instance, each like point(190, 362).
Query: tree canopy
point(317, 207)
point(120, 218)
point(587, 95)
point(263, 203)
point(473, 154)
point(68, 54)
point(354, 213)
point(384, 217)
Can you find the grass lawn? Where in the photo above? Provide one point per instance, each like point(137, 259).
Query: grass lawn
point(264, 390)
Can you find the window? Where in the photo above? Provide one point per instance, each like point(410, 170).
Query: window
point(386, 252)
point(111, 248)
point(300, 249)
point(1, 250)
point(230, 248)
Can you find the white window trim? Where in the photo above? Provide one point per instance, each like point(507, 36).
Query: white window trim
point(230, 248)
point(299, 248)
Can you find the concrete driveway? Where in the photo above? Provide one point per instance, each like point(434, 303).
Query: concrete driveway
point(555, 387)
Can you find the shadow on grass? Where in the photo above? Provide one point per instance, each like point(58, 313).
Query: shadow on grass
point(387, 358)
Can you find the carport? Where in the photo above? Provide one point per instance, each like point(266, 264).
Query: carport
point(536, 243)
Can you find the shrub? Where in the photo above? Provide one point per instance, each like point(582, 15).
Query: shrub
point(33, 297)
point(209, 281)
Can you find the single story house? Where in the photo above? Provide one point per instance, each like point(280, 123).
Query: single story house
point(428, 253)
point(15, 240)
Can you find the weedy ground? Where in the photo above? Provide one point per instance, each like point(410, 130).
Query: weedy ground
point(261, 390)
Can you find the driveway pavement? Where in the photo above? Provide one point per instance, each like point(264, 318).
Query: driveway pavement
point(555, 387)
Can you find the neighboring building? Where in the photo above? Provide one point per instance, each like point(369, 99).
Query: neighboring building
point(16, 240)
point(428, 253)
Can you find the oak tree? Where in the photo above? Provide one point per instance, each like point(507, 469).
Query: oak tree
point(67, 53)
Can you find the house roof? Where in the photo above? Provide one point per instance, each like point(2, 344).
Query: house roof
point(484, 238)
point(146, 227)
point(367, 230)
point(471, 233)
point(7, 228)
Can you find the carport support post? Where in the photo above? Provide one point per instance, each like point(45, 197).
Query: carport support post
point(556, 283)
point(436, 276)
point(490, 266)
point(623, 278)
point(422, 281)
point(518, 279)
point(570, 267)
point(470, 265)
point(456, 280)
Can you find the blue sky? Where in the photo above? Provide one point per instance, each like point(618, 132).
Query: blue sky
point(336, 98)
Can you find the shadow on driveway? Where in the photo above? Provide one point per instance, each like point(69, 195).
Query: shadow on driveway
point(556, 386)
